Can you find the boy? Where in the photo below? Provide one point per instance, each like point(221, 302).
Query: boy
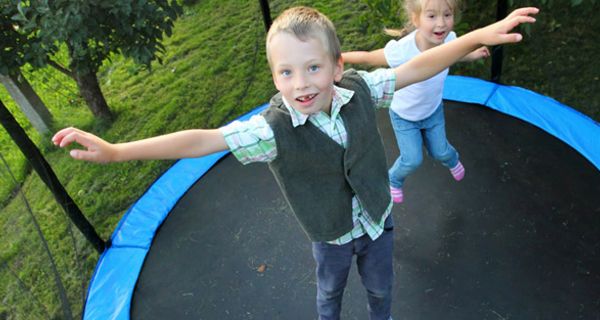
point(321, 143)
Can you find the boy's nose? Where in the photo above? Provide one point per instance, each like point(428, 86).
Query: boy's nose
point(301, 82)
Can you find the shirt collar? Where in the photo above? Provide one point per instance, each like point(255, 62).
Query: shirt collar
point(341, 97)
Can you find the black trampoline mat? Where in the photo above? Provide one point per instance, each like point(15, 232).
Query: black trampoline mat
point(518, 238)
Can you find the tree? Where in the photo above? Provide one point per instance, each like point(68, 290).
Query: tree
point(28, 101)
point(33, 31)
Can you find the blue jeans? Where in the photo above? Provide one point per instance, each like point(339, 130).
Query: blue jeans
point(374, 261)
point(410, 136)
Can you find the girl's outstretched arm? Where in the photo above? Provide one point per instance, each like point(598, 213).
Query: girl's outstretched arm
point(434, 60)
point(181, 144)
point(373, 58)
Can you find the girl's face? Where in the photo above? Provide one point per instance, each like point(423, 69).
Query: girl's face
point(433, 24)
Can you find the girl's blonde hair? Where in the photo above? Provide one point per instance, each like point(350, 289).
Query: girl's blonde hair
point(414, 7)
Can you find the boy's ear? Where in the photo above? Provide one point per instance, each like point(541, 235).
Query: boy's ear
point(275, 80)
point(338, 70)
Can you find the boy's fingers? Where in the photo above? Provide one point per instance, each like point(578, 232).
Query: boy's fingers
point(67, 138)
point(530, 10)
point(82, 155)
point(60, 135)
point(75, 136)
point(512, 37)
point(94, 148)
point(525, 19)
point(524, 12)
point(514, 22)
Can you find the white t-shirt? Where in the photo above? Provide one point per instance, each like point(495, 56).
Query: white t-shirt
point(419, 100)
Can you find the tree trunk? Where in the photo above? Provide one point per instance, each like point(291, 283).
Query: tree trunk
point(28, 101)
point(89, 88)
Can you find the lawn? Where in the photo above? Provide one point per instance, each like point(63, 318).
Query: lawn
point(214, 70)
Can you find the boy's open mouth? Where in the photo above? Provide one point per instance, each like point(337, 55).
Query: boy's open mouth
point(439, 33)
point(306, 98)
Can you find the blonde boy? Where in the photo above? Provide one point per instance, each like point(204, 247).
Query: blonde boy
point(320, 141)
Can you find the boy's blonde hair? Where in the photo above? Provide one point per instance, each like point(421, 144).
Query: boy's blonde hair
point(306, 23)
point(415, 7)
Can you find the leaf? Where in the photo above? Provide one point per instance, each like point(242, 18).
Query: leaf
point(20, 8)
point(18, 17)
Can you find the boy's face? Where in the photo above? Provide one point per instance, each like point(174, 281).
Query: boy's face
point(303, 72)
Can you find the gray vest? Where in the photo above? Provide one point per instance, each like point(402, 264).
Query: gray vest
point(318, 177)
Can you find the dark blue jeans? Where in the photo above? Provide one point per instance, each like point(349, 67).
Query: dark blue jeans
point(374, 261)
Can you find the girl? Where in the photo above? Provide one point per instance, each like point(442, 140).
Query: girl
point(417, 111)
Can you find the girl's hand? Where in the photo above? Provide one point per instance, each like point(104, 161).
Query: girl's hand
point(480, 53)
point(498, 33)
point(96, 149)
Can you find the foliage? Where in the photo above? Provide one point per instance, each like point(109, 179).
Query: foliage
point(384, 14)
point(92, 30)
point(12, 43)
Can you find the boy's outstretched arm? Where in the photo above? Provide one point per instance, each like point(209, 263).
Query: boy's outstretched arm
point(177, 145)
point(434, 60)
point(373, 58)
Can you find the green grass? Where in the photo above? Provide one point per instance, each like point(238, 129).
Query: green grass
point(214, 70)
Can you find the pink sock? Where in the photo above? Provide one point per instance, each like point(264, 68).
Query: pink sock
point(397, 194)
point(458, 172)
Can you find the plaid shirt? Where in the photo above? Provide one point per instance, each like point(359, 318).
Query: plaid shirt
point(253, 140)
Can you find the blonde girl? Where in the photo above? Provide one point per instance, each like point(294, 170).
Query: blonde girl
point(417, 112)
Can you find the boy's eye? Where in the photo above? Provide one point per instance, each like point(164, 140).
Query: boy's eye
point(313, 68)
point(285, 73)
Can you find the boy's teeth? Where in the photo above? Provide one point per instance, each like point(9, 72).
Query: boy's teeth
point(304, 98)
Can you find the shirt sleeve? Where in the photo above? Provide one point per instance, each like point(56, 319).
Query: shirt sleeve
point(397, 52)
point(251, 140)
point(382, 84)
point(394, 53)
point(451, 36)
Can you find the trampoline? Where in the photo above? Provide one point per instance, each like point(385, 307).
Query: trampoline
point(519, 237)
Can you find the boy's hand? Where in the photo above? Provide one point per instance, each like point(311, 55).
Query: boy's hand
point(498, 33)
point(97, 150)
